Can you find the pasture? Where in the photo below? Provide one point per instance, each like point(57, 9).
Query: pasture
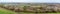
point(39, 13)
point(4, 11)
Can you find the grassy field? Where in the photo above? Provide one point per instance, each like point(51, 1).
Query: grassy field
point(4, 11)
point(42, 13)
point(37, 13)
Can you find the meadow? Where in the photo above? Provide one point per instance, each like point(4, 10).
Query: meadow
point(4, 11)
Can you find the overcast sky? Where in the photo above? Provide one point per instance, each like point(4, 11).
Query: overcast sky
point(58, 1)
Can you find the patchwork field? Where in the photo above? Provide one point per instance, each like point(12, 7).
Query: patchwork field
point(4, 11)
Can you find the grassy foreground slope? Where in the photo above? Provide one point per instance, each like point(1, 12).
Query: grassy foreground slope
point(42, 13)
point(4, 11)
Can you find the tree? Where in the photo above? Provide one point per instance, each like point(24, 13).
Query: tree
point(25, 7)
point(1, 5)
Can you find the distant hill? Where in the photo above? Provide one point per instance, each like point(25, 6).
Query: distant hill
point(22, 3)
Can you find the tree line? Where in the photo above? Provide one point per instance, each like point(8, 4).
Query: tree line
point(41, 9)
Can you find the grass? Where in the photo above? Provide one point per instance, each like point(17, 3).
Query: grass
point(42, 13)
point(4, 11)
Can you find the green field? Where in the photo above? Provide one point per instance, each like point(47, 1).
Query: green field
point(4, 11)
point(42, 13)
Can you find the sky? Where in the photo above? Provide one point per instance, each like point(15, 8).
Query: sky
point(58, 1)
